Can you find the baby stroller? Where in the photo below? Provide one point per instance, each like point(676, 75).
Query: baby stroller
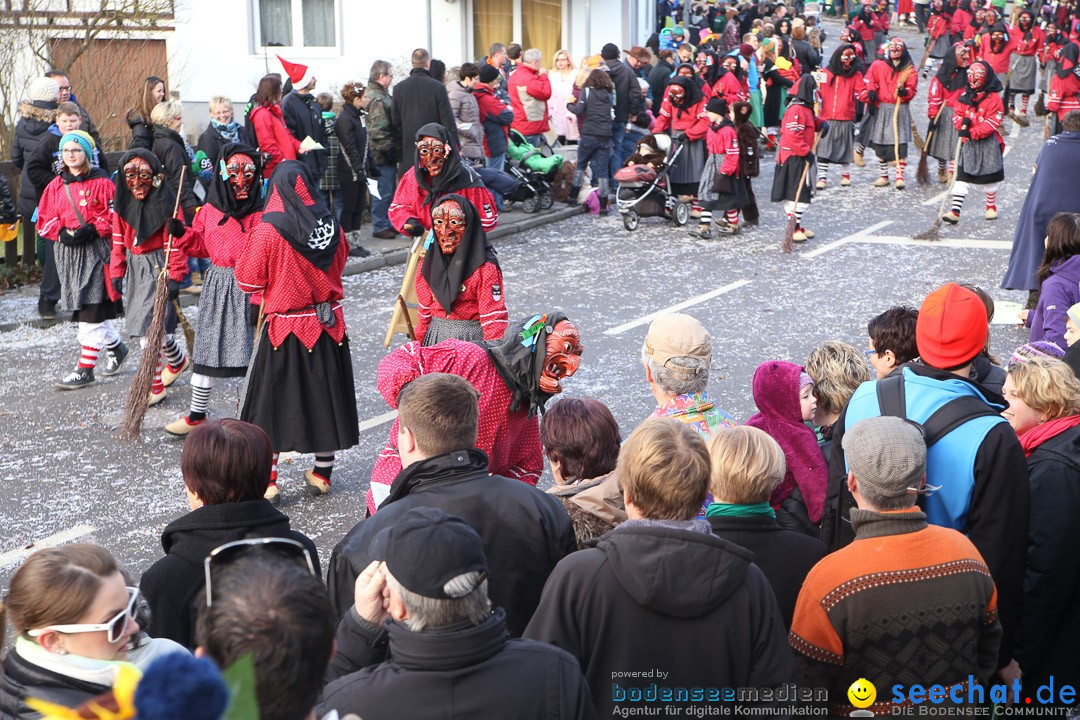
point(643, 191)
point(534, 168)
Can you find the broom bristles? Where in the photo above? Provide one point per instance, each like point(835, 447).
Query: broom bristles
point(789, 235)
point(933, 233)
point(189, 332)
point(922, 176)
point(139, 395)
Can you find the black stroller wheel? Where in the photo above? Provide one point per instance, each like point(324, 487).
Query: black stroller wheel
point(630, 220)
point(547, 199)
point(681, 213)
point(531, 205)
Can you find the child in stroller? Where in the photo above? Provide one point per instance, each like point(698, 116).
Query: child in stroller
point(643, 183)
point(534, 168)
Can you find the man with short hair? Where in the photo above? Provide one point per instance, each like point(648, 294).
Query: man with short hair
point(496, 115)
point(892, 339)
point(450, 654)
point(418, 100)
point(68, 95)
point(662, 591)
point(974, 459)
point(530, 89)
point(496, 58)
point(907, 603)
point(525, 531)
point(274, 608)
point(384, 146)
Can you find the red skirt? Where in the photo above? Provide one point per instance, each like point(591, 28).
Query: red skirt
point(905, 7)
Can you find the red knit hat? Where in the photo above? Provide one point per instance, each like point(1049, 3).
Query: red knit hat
point(299, 75)
point(952, 327)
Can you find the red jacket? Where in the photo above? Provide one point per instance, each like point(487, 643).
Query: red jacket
point(1049, 52)
point(797, 131)
point(985, 117)
point(725, 141)
point(291, 286)
point(55, 212)
point(937, 26)
point(1024, 46)
point(222, 244)
point(123, 242)
point(529, 92)
point(938, 96)
point(274, 138)
point(838, 95)
point(510, 439)
point(496, 118)
point(1063, 95)
point(408, 203)
point(694, 121)
point(998, 61)
point(960, 21)
point(882, 77)
point(482, 300)
point(729, 88)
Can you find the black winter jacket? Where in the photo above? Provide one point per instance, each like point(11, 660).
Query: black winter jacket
point(783, 555)
point(809, 58)
point(418, 100)
point(8, 212)
point(171, 585)
point(23, 678)
point(658, 82)
point(303, 117)
point(353, 135)
point(595, 105)
point(211, 142)
point(142, 134)
point(34, 121)
point(1049, 632)
point(38, 171)
point(460, 671)
point(525, 531)
point(685, 602)
point(170, 150)
point(627, 91)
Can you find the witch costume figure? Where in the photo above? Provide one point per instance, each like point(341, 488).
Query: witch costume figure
point(438, 171)
point(890, 87)
point(795, 153)
point(839, 94)
point(978, 118)
point(515, 376)
point(682, 115)
point(945, 90)
point(140, 228)
point(300, 384)
point(1024, 65)
point(225, 328)
point(459, 286)
point(74, 213)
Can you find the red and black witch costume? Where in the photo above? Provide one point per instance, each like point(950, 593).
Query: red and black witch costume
point(300, 385)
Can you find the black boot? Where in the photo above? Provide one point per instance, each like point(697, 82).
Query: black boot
point(603, 204)
point(115, 355)
point(77, 378)
point(572, 199)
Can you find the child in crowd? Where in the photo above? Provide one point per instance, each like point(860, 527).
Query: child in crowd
point(892, 340)
point(721, 187)
point(784, 395)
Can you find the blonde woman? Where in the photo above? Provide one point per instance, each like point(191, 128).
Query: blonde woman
point(222, 130)
point(563, 75)
point(1044, 409)
point(837, 370)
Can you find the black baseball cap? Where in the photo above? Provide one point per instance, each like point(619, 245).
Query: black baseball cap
point(426, 548)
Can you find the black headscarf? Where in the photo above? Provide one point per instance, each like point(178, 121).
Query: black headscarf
point(905, 59)
point(1031, 26)
point(306, 224)
point(148, 216)
point(454, 175)
point(804, 91)
point(693, 93)
point(951, 76)
point(998, 27)
point(520, 365)
point(221, 193)
point(836, 68)
point(445, 275)
point(1068, 62)
point(992, 85)
point(713, 70)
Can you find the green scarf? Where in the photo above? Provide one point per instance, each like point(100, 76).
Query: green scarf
point(749, 510)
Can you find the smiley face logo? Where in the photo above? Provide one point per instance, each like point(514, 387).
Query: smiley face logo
point(862, 693)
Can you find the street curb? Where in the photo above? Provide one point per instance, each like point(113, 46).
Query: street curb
point(356, 266)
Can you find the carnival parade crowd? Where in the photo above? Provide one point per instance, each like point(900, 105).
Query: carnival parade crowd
point(900, 515)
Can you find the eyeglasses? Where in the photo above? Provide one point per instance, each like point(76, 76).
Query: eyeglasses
point(870, 353)
point(114, 627)
point(228, 552)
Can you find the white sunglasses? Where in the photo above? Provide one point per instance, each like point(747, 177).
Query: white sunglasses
point(114, 627)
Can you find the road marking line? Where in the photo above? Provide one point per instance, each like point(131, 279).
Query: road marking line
point(1007, 149)
point(837, 243)
point(936, 199)
point(378, 420)
point(618, 329)
point(1015, 131)
point(64, 536)
point(945, 242)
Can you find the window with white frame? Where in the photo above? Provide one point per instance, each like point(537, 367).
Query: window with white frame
point(296, 23)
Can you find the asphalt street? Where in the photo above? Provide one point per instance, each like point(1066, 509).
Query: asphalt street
point(65, 476)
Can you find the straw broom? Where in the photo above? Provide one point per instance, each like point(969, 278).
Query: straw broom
point(139, 395)
point(922, 176)
point(934, 232)
point(789, 233)
point(896, 114)
point(189, 332)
